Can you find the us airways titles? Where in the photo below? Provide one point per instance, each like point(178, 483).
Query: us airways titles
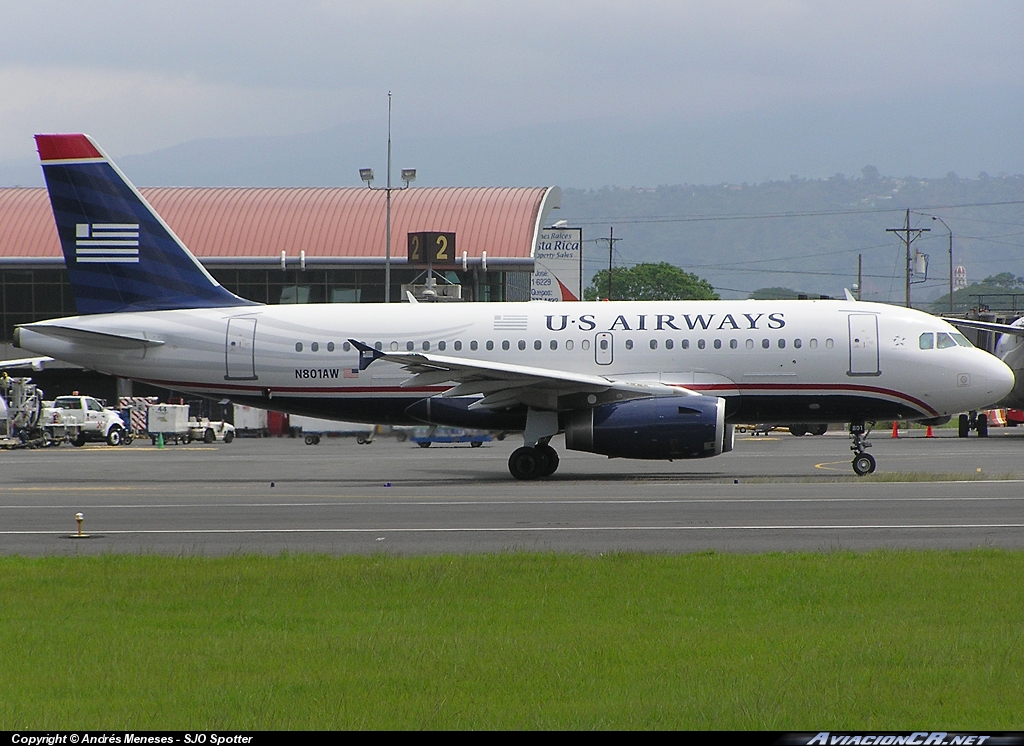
point(658, 322)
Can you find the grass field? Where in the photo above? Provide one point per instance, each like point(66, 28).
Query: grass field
point(882, 640)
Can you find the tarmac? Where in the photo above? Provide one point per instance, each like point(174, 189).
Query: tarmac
point(771, 494)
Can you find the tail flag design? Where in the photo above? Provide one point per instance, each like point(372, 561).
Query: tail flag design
point(120, 254)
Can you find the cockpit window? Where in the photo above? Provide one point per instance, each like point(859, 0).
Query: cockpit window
point(962, 340)
point(944, 341)
point(927, 341)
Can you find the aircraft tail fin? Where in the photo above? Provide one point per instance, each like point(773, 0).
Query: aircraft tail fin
point(120, 254)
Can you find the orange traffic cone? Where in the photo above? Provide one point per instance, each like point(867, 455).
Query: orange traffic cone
point(928, 433)
point(895, 429)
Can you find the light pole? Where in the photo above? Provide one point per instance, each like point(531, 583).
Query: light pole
point(935, 217)
point(408, 176)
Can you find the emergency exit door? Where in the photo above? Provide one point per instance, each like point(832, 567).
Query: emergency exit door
point(240, 350)
point(863, 345)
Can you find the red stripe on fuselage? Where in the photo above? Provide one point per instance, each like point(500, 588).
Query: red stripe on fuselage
point(823, 390)
point(65, 147)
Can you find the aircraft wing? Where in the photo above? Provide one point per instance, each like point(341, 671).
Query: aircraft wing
point(36, 363)
point(986, 326)
point(504, 384)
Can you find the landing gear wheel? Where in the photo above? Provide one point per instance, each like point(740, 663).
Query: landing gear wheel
point(963, 426)
point(864, 464)
point(551, 455)
point(798, 430)
point(528, 463)
point(982, 425)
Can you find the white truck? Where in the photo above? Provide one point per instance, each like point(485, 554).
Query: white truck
point(92, 420)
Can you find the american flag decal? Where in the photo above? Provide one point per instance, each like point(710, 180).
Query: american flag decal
point(350, 373)
point(510, 323)
point(107, 243)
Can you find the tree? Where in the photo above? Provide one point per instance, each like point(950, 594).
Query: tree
point(775, 293)
point(662, 281)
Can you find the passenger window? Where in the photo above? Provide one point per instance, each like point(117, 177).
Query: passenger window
point(926, 341)
point(473, 345)
point(441, 345)
point(537, 344)
point(409, 346)
point(829, 343)
point(797, 343)
point(701, 344)
point(346, 346)
point(490, 345)
point(782, 344)
point(654, 344)
point(668, 344)
point(750, 344)
point(814, 344)
point(585, 344)
point(426, 346)
point(458, 345)
point(298, 346)
point(765, 344)
point(569, 344)
point(315, 347)
point(505, 344)
point(629, 344)
point(718, 344)
point(522, 344)
point(685, 344)
point(330, 346)
point(394, 346)
point(378, 345)
point(553, 344)
point(733, 344)
point(604, 343)
point(944, 341)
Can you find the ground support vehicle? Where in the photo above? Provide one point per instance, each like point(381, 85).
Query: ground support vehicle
point(95, 423)
point(210, 431)
point(168, 423)
point(424, 437)
point(26, 421)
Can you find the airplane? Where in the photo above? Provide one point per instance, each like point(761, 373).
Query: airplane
point(644, 380)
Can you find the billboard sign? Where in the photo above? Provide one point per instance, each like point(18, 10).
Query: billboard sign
point(558, 265)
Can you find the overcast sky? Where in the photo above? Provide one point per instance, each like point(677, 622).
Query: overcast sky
point(775, 86)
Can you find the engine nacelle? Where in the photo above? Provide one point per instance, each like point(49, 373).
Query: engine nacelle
point(657, 428)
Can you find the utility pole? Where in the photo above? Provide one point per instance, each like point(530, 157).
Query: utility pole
point(908, 239)
point(860, 275)
point(611, 245)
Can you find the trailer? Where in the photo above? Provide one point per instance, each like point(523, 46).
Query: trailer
point(424, 437)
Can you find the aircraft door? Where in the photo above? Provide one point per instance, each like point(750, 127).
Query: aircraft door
point(240, 350)
point(863, 345)
point(603, 352)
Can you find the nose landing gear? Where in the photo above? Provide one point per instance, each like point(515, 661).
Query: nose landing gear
point(863, 463)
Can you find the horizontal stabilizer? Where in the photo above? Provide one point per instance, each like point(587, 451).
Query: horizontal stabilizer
point(120, 341)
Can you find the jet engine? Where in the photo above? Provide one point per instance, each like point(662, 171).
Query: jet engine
point(668, 427)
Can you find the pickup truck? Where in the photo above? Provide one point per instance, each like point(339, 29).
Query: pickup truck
point(95, 422)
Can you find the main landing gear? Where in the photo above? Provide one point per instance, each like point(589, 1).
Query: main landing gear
point(533, 462)
point(863, 463)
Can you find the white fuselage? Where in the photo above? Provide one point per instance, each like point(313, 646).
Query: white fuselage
point(790, 361)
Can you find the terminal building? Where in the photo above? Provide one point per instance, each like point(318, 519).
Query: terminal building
point(289, 245)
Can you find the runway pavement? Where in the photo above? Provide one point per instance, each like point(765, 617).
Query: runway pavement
point(778, 493)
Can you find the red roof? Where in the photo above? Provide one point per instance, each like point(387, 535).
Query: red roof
point(218, 222)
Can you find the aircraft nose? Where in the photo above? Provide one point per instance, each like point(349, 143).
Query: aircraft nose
point(996, 379)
